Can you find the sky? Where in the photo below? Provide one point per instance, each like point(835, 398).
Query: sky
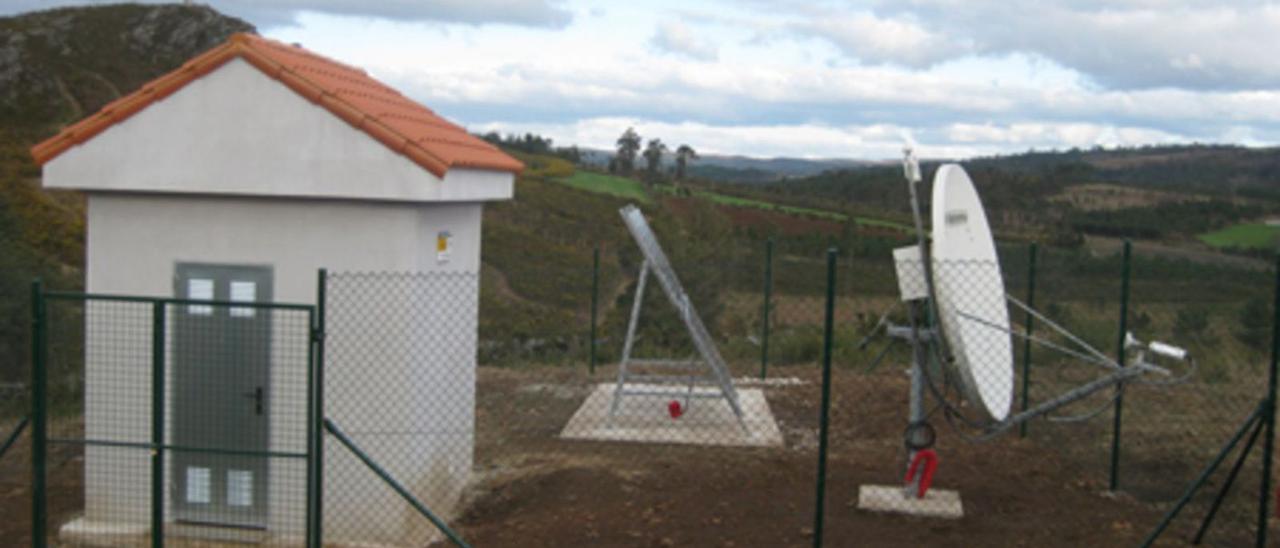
point(813, 78)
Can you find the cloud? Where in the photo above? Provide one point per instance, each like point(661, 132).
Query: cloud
point(676, 37)
point(873, 39)
point(1123, 44)
point(273, 13)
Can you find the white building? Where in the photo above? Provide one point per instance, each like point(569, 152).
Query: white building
point(237, 177)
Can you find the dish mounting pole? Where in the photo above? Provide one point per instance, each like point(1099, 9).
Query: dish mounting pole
point(918, 334)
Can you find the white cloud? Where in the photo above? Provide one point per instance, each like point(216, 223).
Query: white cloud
point(677, 37)
point(874, 39)
point(1121, 44)
point(814, 78)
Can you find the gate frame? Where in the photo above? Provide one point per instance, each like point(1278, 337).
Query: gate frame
point(159, 338)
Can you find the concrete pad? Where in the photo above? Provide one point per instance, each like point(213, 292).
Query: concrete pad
point(937, 503)
point(645, 419)
point(82, 532)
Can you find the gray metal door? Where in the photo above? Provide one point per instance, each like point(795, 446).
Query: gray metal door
point(221, 395)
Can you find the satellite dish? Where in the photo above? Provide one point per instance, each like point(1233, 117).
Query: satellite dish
point(960, 284)
point(970, 293)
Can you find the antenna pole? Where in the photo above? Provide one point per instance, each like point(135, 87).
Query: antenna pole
point(911, 170)
point(916, 398)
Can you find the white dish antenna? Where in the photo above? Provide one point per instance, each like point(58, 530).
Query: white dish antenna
point(970, 292)
point(954, 276)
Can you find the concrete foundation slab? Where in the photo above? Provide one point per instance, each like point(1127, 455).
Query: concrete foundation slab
point(647, 419)
point(937, 503)
point(82, 532)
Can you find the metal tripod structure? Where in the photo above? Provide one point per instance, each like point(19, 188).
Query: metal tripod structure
point(672, 373)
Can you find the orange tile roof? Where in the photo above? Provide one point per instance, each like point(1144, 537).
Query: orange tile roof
point(393, 119)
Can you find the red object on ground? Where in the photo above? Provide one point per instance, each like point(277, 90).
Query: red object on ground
point(675, 409)
point(930, 460)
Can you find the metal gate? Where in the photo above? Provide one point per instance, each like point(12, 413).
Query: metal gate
point(191, 417)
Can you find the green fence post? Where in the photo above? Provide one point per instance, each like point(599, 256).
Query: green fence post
point(1124, 330)
point(1032, 251)
point(318, 337)
point(765, 308)
point(157, 422)
point(820, 505)
point(1268, 442)
point(39, 432)
point(310, 536)
point(595, 300)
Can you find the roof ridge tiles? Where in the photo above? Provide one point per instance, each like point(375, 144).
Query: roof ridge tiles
point(321, 80)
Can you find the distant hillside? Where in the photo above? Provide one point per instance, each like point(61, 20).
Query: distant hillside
point(56, 67)
point(1169, 193)
point(59, 65)
point(741, 169)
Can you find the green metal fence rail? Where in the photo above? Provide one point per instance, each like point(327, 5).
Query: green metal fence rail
point(595, 306)
point(395, 485)
point(819, 512)
point(39, 430)
point(1121, 337)
point(158, 341)
point(1032, 251)
point(804, 367)
point(1256, 418)
point(13, 436)
point(1268, 442)
point(316, 428)
point(149, 323)
point(765, 306)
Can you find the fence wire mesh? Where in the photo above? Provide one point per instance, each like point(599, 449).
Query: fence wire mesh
point(227, 387)
point(500, 429)
point(1221, 313)
point(400, 381)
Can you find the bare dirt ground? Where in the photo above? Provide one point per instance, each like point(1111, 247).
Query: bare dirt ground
point(533, 489)
point(544, 492)
point(65, 488)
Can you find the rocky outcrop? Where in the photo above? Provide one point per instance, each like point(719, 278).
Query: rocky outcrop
point(59, 65)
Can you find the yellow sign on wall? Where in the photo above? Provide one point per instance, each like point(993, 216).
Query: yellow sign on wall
point(443, 245)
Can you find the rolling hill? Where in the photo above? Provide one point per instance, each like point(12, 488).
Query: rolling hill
point(55, 67)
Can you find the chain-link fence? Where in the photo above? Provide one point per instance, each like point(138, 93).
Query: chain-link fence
point(400, 382)
point(434, 418)
point(160, 419)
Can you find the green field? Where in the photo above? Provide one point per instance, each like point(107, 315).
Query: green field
point(737, 201)
point(1246, 235)
point(607, 184)
point(631, 189)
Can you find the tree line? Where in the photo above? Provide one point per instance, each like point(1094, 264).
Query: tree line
point(628, 147)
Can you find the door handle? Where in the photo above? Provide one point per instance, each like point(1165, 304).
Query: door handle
point(256, 395)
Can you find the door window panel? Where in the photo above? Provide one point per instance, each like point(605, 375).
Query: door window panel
point(243, 292)
point(200, 289)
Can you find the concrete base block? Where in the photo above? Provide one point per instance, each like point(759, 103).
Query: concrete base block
point(937, 503)
point(646, 419)
point(82, 532)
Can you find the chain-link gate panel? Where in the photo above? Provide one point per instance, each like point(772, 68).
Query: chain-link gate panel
point(400, 381)
point(172, 420)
